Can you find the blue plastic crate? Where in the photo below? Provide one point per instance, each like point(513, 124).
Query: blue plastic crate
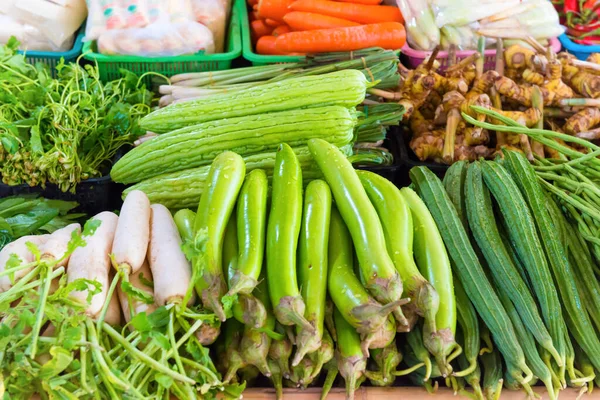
point(581, 51)
point(51, 59)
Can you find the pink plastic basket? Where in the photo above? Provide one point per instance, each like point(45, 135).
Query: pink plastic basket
point(416, 57)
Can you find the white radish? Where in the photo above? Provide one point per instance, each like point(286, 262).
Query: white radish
point(93, 262)
point(171, 271)
point(113, 313)
point(57, 244)
point(138, 305)
point(130, 243)
point(20, 250)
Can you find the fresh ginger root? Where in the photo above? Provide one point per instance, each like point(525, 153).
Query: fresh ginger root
point(451, 100)
point(415, 91)
point(532, 77)
point(531, 116)
point(583, 121)
point(428, 147)
point(419, 125)
point(594, 57)
point(583, 82)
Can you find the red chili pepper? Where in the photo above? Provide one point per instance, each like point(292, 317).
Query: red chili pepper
point(589, 41)
point(571, 9)
point(578, 29)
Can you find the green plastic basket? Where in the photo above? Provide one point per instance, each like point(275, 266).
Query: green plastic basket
point(109, 65)
point(249, 54)
point(51, 59)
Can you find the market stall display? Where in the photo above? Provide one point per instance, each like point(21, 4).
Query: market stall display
point(252, 236)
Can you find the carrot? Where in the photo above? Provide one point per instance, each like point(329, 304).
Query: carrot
point(253, 16)
point(272, 23)
point(266, 46)
point(280, 30)
point(93, 262)
point(252, 2)
point(259, 29)
point(389, 35)
point(364, 14)
point(274, 9)
point(368, 2)
point(306, 21)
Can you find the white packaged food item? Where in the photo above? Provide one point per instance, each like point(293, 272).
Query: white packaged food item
point(158, 40)
point(213, 15)
point(136, 13)
point(180, 10)
point(57, 23)
point(103, 15)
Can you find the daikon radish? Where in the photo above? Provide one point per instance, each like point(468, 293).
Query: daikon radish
point(57, 244)
point(138, 305)
point(20, 250)
point(171, 271)
point(131, 240)
point(93, 262)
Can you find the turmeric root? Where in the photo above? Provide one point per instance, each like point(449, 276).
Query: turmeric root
point(419, 125)
point(427, 147)
point(583, 121)
point(533, 77)
point(518, 57)
point(583, 82)
point(594, 57)
point(531, 116)
point(452, 122)
point(414, 92)
point(476, 136)
point(451, 100)
point(519, 93)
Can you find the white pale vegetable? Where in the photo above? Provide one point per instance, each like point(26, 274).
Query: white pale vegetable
point(20, 250)
point(93, 262)
point(171, 271)
point(138, 305)
point(130, 245)
point(57, 244)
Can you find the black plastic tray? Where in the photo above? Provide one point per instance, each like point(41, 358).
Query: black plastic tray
point(409, 159)
point(394, 172)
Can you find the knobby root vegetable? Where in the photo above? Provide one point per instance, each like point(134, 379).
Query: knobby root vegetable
point(283, 231)
point(214, 210)
point(382, 279)
point(312, 265)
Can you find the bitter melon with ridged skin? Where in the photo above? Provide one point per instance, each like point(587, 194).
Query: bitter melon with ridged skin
point(183, 189)
point(190, 148)
point(345, 88)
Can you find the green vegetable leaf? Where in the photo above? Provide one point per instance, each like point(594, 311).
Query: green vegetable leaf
point(61, 359)
point(164, 380)
point(93, 287)
point(34, 250)
point(228, 302)
point(161, 339)
point(141, 322)
point(35, 141)
point(234, 390)
point(10, 144)
point(160, 317)
point(131, 290)
point(145, 282)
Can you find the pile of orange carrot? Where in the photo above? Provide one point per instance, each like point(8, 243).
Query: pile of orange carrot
point(297, 27)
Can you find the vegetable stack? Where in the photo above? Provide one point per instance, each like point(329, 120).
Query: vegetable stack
point(172, 167)
point(284, 27)
point(65, 130)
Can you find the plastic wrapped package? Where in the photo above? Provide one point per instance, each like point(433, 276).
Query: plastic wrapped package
point(103, 15)
point(180, 10)
point(161, 39)
point(213, 15)
point(137, 13)
point(461, 12)
point(58, 24)
point(422, 33)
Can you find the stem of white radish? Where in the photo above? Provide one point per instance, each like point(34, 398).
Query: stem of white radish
point(31, 285)
point(37, 326)
point(83, 355)
point(19, 285)
point(17, 269)
point(111, 290)
point(144, 358)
